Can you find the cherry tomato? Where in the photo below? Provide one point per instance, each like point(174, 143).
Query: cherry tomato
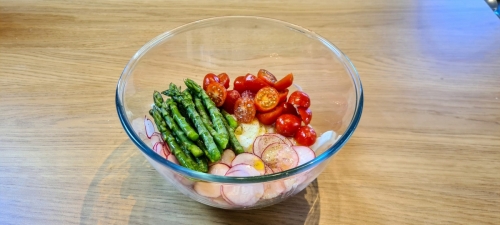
point(305, 135)
point(209, 78)
point(231, 98)
point(270, 117)
point(247, 94)
point(224, 79)
point(267, 77)
point(266, 99)
point(284, 83)
point(290, 109)
point(253, 83)
point(299, 98)
point(239, 84)
point(305, 114)
point(244, 110)
point(287, 125)
point(282, 96)
point(217, 93)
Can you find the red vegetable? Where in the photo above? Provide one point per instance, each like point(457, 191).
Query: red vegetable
point(239, 84)
point(270, 117)
point(224, 79)
point(287, 125)
point(253, 83)
point(231, 98)
point(208, 79)
point(217, 93)
point(267, 77)
point(299, 98)
point(266, 99)
point(305, 114)
point(244, 110)
point(284, 83)
point(305, 135)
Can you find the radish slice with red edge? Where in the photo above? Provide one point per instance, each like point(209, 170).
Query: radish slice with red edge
point(242, 194)
point(268, 170)
point(212, 190)
point(158, 148)
point(280, 157)
point(166, 149)
point(283, 139)
point(138, 126)
point(273, 189)
point(171, 158)
point(227, 156)
point(250, 159)
point(262, 141)
point(305, 154)
point(244, 170)
point(155, 138)
point(149, 127)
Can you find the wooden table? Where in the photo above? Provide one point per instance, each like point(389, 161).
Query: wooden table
point(427, 150)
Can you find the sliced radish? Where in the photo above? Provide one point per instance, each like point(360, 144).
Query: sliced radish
point(280, 157)
point(155, 138)
point(171, 158)
point(262, 141)
point(268, 170)
point(250, 159)
point(212, 190)
point(166, 149)
point(138, 126)
point(283, 138)
point(242, 194)
point(158, 148)
point(273, 189)
point(227, 157)
point(305, 154)
point(149, 127)
point(324, 141)
point(221, 201)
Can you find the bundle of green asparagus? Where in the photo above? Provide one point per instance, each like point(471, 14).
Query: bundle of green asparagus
point(193, 135)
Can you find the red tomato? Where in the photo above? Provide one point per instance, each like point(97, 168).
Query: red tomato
point(239, 84)
point(244, 110)
point(253, 83)
point(305, 114)
point(247, 94)
point(284, 83)
point(299, 98)
point(305, 135)
point(217, 93)
point(224, 79)
point(282, 96)
point(209, 78)
point(231, 98)
point(290, 109)
point(287, 125)
point(270, 117)
point(266, 99)
point(267, 77)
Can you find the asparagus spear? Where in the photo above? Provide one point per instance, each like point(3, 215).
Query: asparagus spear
point(183, 139)
point(158, 99)
point(215, 115)
point(220, 140)
point(212, 150)
point(183, 159)
point(230, 119)
point(181, 121)
point(235, 144)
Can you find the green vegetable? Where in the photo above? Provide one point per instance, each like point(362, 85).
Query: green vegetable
point(230, 119)
point(215, 115)
point(183, 139)
point(181, 121)
point(183, 159)
point(220, 140)
point(182, 98)
point(233, 141)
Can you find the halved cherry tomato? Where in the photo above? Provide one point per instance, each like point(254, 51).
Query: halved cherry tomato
point(217, 93)
point(287, 125)
point(224, 79)
point(305, 114)
point(231, 98)
point(305, 135)
point(284, 83)
point(239, 84)
point(267, 77)
point(299, 98)
point(209, 78)
point(290, 109)
point(266, 99)
point(270, 117)
point(253, 83)
point(244, 110)
point(282, 96)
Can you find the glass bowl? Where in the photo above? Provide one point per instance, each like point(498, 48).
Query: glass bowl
point(239, 45)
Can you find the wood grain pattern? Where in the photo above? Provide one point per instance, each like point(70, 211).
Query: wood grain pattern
point(427, 150)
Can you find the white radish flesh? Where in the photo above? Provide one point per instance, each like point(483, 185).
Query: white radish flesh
point(251, 160)
point(305, 154)
point(158, 148)
point(283, 139)
point(242, 194)
point(155, 138)
point(280, 157)
point(261, 143)
point(227, 157)
point(171, 158)
point(149, 127)
point(138, 126)
point(273, 189)
point(212, 190)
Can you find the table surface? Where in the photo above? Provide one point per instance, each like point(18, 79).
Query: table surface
point(427, 149)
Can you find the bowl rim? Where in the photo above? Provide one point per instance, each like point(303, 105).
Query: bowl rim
point(223, 179)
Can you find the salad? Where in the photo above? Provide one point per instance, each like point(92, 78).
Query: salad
point(256, 128)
